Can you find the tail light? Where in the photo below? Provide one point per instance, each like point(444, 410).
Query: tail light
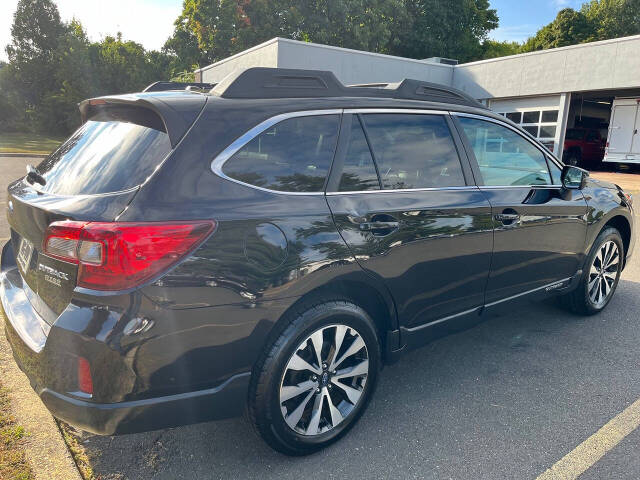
point(119, 255)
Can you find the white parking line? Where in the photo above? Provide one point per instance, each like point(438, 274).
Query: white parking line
point(596, 446)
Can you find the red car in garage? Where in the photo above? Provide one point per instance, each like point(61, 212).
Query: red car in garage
point(583, 147)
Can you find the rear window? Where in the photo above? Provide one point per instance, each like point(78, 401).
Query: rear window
point(292, 156)
point(106, 154)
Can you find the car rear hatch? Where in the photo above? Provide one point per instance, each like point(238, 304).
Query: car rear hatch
point(91, 177)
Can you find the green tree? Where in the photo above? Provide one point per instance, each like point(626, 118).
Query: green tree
point(213, 24)
point(568, 28)
point(447, 29)
point(74, 81)
point(53, 66)
point(358, 24)
point(12, 118)
point(35, 33)
point(261, 20)
point(123, 66)
point(494, 49)
point(182, 49)
point(413, 28)
point(613, 18)
point(596, 20)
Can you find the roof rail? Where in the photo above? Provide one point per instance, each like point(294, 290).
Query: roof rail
point(164, 86)
point(263, 82)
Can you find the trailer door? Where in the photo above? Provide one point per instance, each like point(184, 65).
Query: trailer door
point(623, 122)
point(635, 144)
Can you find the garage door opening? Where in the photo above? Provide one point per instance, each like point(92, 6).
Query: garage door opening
point(603, 124)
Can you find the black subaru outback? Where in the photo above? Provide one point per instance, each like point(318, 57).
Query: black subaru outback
point(267, 245)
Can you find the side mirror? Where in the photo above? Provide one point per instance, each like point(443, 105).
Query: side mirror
point(574, 178)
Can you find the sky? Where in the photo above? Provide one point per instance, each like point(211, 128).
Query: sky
point(150, 22)
point(521, 19)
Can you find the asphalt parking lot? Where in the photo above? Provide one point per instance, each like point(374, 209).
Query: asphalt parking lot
point(506, 399)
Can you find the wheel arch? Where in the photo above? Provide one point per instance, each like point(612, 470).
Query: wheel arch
point(622, 224)
point(361, 290)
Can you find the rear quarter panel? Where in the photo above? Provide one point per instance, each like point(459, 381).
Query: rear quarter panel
point(605, 203)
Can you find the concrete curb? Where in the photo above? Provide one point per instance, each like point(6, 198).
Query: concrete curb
point(25, 155)
point(45, 448)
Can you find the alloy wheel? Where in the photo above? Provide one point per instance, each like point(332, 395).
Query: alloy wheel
point(603, 273)
point(324, 380)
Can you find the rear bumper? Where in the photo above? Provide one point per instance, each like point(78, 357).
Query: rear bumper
point(48, 356)
point(224, 401)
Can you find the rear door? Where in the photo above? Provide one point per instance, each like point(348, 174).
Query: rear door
point(539, 227)
point(407, 207)
point(92, 177)
point(623, 127)
point(635, 144)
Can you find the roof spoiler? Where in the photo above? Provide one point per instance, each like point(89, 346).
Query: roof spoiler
point(176, 116)
point(263, 82)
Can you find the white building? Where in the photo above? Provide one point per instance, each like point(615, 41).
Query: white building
point(545, 91)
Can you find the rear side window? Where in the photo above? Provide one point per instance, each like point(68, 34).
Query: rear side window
point(358, 171)
point(504, 157)
point(413, 151)
point(292, 156)
point(106, 154)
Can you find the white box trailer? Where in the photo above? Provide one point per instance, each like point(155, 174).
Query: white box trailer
point(623, 141)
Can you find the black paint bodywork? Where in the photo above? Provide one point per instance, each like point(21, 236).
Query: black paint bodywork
point(181, 348)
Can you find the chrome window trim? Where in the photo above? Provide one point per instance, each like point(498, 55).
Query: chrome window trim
point(396, 110)
point(406, 190)
point(218, 162)
point(546, 153)
point(499, 187)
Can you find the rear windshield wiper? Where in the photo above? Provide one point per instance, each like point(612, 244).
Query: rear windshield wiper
point(34, 175)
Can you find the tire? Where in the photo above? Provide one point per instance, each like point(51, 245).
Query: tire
point(582, 300)
point(274, 417)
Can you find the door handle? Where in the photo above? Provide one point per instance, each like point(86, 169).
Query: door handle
point(377, 226)
point(380, 225)
point(507, 217)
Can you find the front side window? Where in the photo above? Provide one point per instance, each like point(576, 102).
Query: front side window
point(413, 151)
point(556, 172)
point(291, 156)
point(505, 157)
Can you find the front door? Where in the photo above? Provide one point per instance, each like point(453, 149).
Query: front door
point(410, 214)
point(539, 227)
